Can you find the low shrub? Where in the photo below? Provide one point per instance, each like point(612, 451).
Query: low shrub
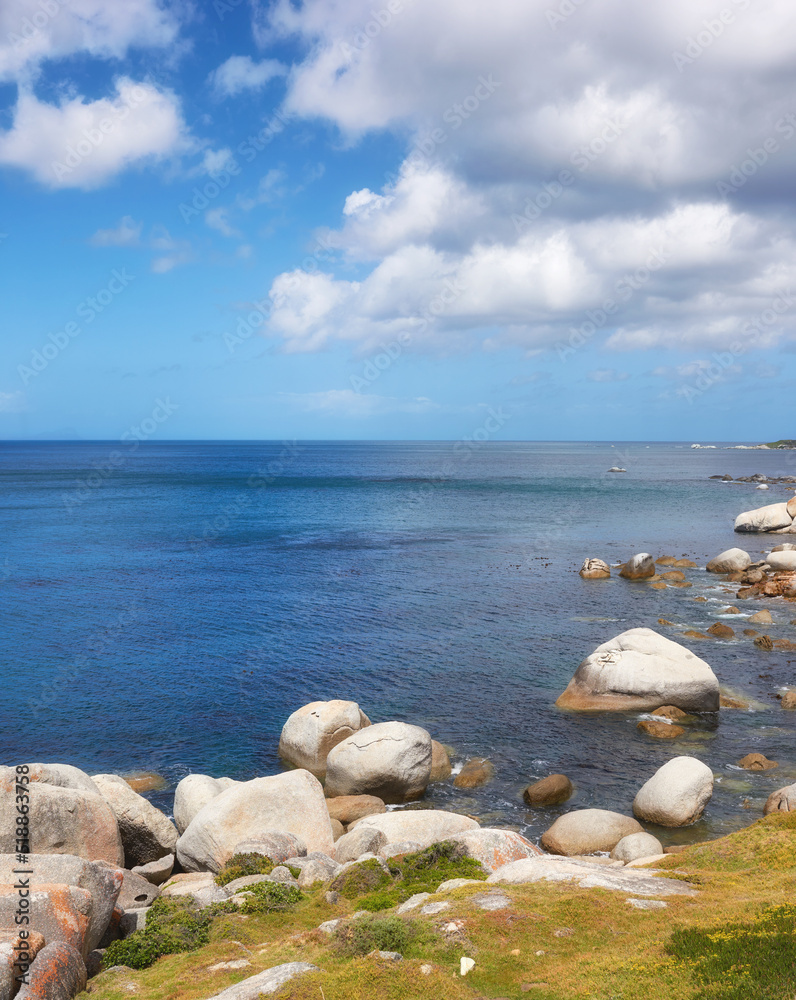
point(241, 865)
point(367, 876)
point(269, 897)
point(174, 924)
point(367, 934)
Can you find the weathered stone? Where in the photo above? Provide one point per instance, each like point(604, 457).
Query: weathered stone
point(721, 631)
point(789, 701)
point(192, 794)
point(637, 845)
point(588, 876)
point(292, 802)
point(101, 881)
point(59, 912)
point(58, 973)
point(276, 845)
point(764, 642)
point(357, 842)
point(422, 826)
point(673, 576)
point(782, 562)
point(595, 569)
point(638, 567)
point(676, 794)
point(763, 617)
point(494, 848)
point(660, 730)
point(200, 886)
point(586, 831)
point(63, 820)
point(391, 760)
point(137, 892)
point(783, 800)
point(731, 561)
point(440, 763)
point(770, 518)
point(156, 872)
point(338, 830)
point(641, 669)
point(757, 762)
point(266, 983)
point(349, 808)
point(549, 791)
point(16, 955)
point(146, 833)
point(400, 849)
point(476, 772)
point(311, 732)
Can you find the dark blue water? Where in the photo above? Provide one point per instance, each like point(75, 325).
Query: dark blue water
point(167, 608)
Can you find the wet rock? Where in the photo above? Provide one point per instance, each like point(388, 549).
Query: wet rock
point(721, 631)
point(595, 569)
point(549, 791)
point(440, 763)
point(670, 712)
point(475, 773)
point(638, 567)
point(757, 762)
point(731, 561)
point(660, 730)
point(763, 617)
point(764, 642)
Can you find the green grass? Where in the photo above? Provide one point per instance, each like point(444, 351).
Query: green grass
point(241, 865)
point(753, 960)
point(270, 897)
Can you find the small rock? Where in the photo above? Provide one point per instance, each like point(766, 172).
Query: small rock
point(549, 791)
point(146, 781)
point(426, 969)
point(732, 611)
point(763, 617)
point(491, 901)
point(660, 730)
point(757, 762)
point(233, 966)
point(638, 567)
point(764, 642)
point(783, 800)
point(431, 909)
point(349, 808)
point(671, 712)
point(466, 965)
point(476, 772)
point(647, 904)
point(413, 902)
point(595, 569)
point(563, 932)
point(635, 846)
point(789, 701)
point(674, 574)
point(338, 830)
point(156, 872)
point(330, 926)
point(721, 631)
point(387, 956)
point(440, 763)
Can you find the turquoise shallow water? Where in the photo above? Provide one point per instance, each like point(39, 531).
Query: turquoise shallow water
point(168, 608)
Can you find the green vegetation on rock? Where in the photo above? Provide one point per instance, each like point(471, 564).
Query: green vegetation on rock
point(270, 897)
point(241, 865)
point(784, 443)
point(367, 934)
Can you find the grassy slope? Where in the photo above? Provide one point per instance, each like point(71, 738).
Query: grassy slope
point(613, 951)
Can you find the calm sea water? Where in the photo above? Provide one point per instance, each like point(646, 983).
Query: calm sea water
point(168, 608)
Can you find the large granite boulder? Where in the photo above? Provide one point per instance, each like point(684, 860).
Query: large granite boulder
point(193, 793)
point(586, 831)
point(59, 912)
point(102, 882)
point(782, 562)
point(349, 808)
point(638, 567)
point(58, 973)
point(391, 760)
point(363, 840)
point(771, 518)
point(676, 794)
point(730, 561)
point(292, 803)
point(783, 800)
point(147, 835)
point(494, 848)
point(63, 818)
point(640, 670)
point(420, 826)
point(311, 732)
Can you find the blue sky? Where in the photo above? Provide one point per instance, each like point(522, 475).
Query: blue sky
point(398, 220)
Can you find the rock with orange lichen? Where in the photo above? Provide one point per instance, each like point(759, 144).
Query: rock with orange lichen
point(61, 913)
point(58, 973)
point(495, 848)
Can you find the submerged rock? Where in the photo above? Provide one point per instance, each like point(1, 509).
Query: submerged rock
point(441, 768)
point(476, 772)
point(595, 569)
point(640, 670)
point(549, 791)
point(638, 567)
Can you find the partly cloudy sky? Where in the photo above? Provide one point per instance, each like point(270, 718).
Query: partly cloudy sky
point(348, 219)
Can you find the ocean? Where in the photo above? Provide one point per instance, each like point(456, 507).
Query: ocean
point(168, 605)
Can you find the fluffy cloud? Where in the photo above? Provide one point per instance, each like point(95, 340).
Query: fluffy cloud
point(241, 73)
point(550, 157)
point(33, 31)
point(126, 234)
point(83, 144)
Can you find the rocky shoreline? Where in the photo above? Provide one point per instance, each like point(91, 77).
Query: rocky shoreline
point(93, 855)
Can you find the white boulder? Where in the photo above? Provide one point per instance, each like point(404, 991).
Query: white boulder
point(635, 846)
point(585, 831)
point(420, 826)
point(312, 731)
point(783, 800)
point(676, 794)
point(193, 793)
point(391, 760)
point(782, 562)
point(770, 518)
point(731, 561)
point(641, 670)
point(292, 802)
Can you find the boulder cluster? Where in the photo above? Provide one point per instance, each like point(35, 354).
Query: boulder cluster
point(776, 518)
